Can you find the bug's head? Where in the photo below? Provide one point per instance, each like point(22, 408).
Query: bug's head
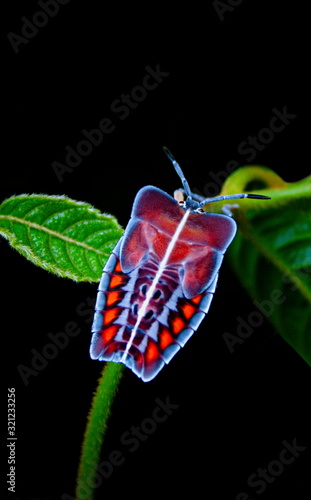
point(197, 206)
point(188, 203)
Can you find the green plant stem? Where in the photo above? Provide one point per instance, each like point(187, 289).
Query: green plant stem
point(96, 429)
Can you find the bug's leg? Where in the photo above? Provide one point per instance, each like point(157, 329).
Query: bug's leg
point(227, 209)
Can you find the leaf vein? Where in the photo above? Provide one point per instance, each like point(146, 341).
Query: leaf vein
point(51, 232)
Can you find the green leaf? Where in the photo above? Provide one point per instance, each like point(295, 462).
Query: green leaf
point(272, 251)
point(69, 238)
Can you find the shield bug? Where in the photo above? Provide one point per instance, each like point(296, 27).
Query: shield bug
point(160, 279)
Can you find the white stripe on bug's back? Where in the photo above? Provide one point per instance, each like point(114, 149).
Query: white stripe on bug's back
point(119, 336)
point(142, 346)
point(97, 322)
point(111, 262)
point(104, 281)
point(130, 286)
point(206, 302)
point(142, 311)
point(172, 302)
point(196, 319)
point(126, 301)
point(100, 301)
point(163, 317)
point(122, 319)
point(109, 267)
point(169, 352)
point(153, 331)
point(184, 335)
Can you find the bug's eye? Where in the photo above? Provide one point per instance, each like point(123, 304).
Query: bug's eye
point(149, 314)
point(157, 294)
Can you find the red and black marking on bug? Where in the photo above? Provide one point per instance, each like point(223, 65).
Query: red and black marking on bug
point(160, 279)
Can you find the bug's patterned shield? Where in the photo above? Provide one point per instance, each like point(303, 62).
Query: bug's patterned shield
point(158, 283)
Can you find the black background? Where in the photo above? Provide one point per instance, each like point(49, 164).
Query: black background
point(224, 79)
